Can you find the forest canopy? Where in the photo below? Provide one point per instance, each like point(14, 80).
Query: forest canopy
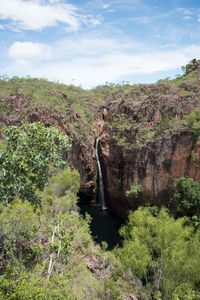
point(28, 156)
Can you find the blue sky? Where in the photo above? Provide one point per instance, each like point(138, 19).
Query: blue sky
point(87, 43)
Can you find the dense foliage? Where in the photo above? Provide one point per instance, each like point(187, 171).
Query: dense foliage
point(49, 253)
point(39, 249)
point(187, 198)
point(46, 250)
point(135, 190)
point(25, 161)
point(163, 253)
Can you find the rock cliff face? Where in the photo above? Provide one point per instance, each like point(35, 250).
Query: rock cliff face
point(148, 139)
point(82, 156)
point(124, 167)
point(148, 135)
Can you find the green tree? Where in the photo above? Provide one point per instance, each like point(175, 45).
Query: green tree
point(61, 193)
point(55, 241)
point(187, 197)
point(42, 250)
point(18, 233)
point(135, 190)
point(25, 162)
point(163, 252)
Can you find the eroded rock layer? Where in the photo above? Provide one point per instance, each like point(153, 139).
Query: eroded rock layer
point(148, 133)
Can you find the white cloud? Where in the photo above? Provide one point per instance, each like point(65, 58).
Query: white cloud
point(187, 18)
point(92, 20)
point(141, 20)
point(36, 14)
point(185, 11)
point(92, 61)
point(93, 47)
point(105, 6)
point(95, 22)
point(53, 1)
point(24, 53)
point(168, 46)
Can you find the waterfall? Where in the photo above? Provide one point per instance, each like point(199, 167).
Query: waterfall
point(101, 188)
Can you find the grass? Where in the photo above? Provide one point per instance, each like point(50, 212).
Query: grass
point(78, 105)
point(131, 107)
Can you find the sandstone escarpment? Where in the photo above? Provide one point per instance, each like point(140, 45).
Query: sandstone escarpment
point(82, 156)
point(148, 139)
point(148, 133)
point(124, 167)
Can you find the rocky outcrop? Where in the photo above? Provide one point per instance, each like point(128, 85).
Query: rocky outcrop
point(145, 136)
point(124, 167)
point(82, 156)
point(147, 139)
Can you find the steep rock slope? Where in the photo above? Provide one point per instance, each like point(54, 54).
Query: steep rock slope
point(150, 137)
point(148, 133)
point(72, 111)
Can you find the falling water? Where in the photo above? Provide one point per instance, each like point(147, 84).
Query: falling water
point(101, 188)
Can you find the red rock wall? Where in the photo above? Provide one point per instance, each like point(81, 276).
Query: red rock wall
point(122, 168)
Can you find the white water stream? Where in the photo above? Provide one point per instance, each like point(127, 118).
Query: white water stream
point(101, 187)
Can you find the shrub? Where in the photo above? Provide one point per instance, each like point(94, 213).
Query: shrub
point(161, 251)
point(135, 190)
point(25, 162)
point(186, 197)
point(167, 163)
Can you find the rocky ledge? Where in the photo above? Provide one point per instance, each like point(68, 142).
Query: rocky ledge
point(148, 136)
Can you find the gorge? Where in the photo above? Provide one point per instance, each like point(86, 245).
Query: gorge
point(100, 185)
point(145, 134)
point(118, 155)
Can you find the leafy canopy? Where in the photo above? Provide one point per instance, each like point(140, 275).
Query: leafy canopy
point(135, 190)
point(43, 250)
point(25, 161)
point(162, 251)
point(19, 227)
point(187, 197)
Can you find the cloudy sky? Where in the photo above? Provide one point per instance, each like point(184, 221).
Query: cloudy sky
point(89, 42)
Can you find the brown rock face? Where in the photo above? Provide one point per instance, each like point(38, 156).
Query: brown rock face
point(17, 102)
point(122, 168)
point(82, 156)
point(147, 141)
point(146, 137)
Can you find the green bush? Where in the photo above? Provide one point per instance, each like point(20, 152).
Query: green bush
point(25, 162)
point(135, 190)
point(19, 231)
point(164, 124)
point(43, 251)
point(186, 197)
point(163, 252)
point(167, 163)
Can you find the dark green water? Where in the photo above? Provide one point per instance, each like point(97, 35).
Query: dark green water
point(104, 225)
